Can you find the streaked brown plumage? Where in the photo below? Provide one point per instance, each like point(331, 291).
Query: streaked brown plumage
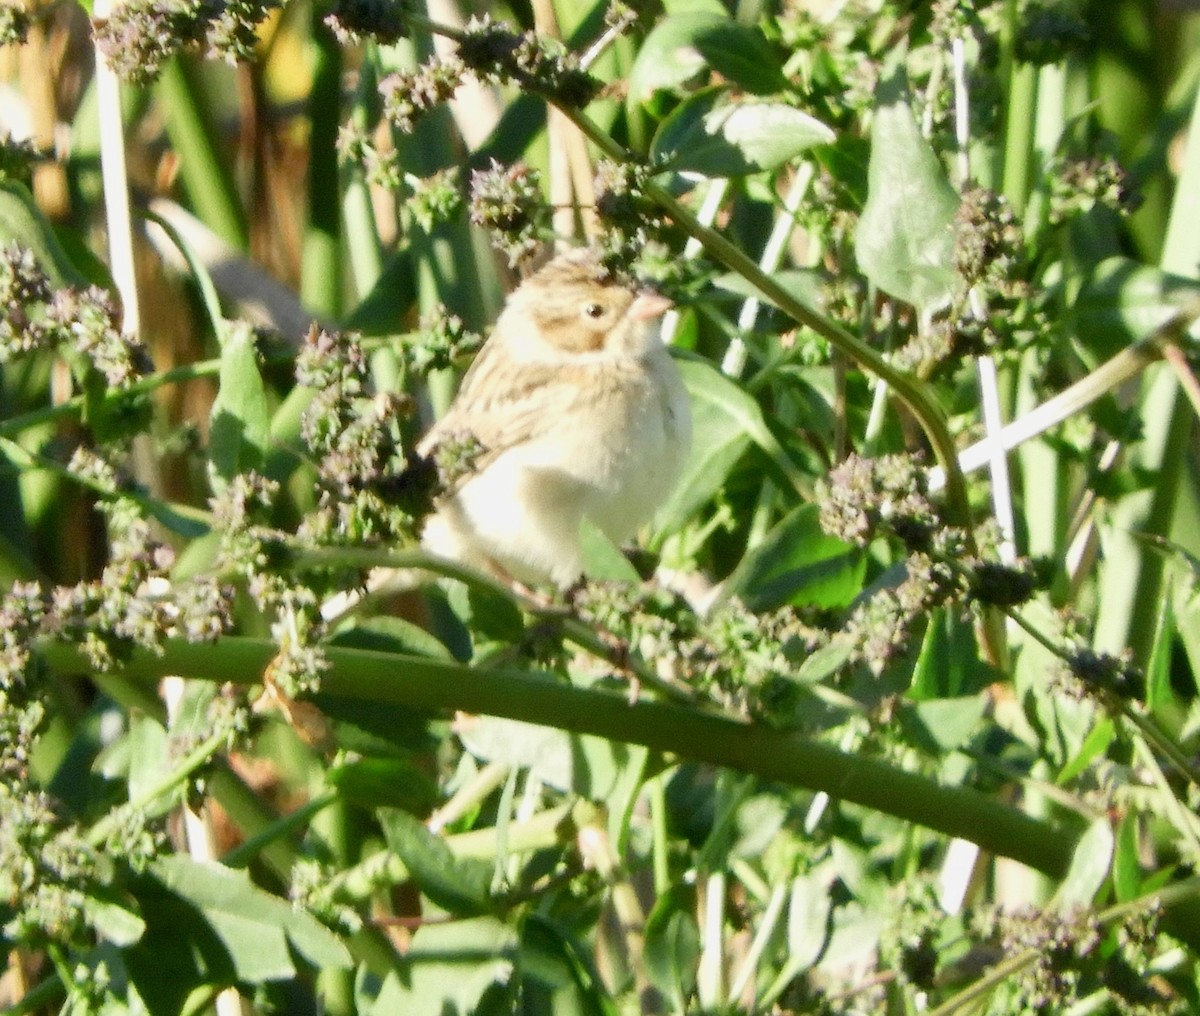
point(581, 413)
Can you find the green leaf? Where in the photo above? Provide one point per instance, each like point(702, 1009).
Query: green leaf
point(1125, 301)
point(712, 135)
point(905, 238)
point(1089, 868)
point(556, 976)
point(391, 635)
point(808, 285)
point(448, 968)
point(241, 421)
point(22, 222)
point(200, 273)
point(602, 559)
point(206, 923)
point(672, 945)
point(939, 726)
point(798, 563)
point(1094, 745)
point(589, 766)
point(725, 420)
point(949, 663)
point(685, 46)
point(823, 662)
point(1127, 865)
point(461, 886)
point(807, 923)
point(113, 918)
point(386, 782)
point(1186, 608)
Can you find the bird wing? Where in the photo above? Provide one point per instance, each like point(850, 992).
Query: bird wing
point(503, 403)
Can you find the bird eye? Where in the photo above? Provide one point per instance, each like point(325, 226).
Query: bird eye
point(594, 310)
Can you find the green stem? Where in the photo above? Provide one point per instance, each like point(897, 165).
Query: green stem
point(260, 842)
point(193, 762)
point(663, 726)
point(206, 175)
point(321, 266)
point(25, 460)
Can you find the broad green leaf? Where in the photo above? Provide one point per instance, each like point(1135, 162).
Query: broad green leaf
point(1089, 868)
point(949, 663)
point(493, 615)
point(22, 222)
point(713, 135)
point(809, 285)
point(602, 559)
point(241, 420)
point(139, 758)
point(757, 822)
point(589, 766)
point(113, 919)
point(1186, 607)
point(556, 975)
point(798, 563)
point(856, 931)
point(939, 726)
point(1127, 865)
point(461, 886)
point(1125, 301)
point(206, 923)
point(823, 662)
point(1094, 745)
point(388, 634)
point(725, 420)
point(714, 7)
point(387, 782)
point(808, 922)
point(684, 46)
point(672, 945)
point(448, 968)
point(905, 239)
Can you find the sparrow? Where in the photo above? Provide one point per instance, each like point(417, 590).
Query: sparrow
point(579, 412)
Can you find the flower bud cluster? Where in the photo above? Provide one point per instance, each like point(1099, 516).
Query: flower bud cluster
point(138, 37)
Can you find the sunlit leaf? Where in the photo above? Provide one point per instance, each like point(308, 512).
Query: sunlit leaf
point(241, 420)
point(461, 886)
point(905, 237)
point(589, 766)
point(206, 923)
point(448, 968)
point(22, 222)
point(725, 420)
point(1090, 865)
point(684, 46)
point(672, 945)
point(713, 135)
point(1124, 301)
point(798, 563)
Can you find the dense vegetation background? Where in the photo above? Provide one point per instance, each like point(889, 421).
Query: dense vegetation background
point(878, 718)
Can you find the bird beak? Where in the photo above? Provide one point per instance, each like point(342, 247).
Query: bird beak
point(649, 304)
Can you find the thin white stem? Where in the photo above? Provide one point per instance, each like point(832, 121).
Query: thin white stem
point(734, 361)
point(709, 974)
point(1126, 364)
point(961, 109)
point(762, 936)
point(714, 197)
point(116, 186)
